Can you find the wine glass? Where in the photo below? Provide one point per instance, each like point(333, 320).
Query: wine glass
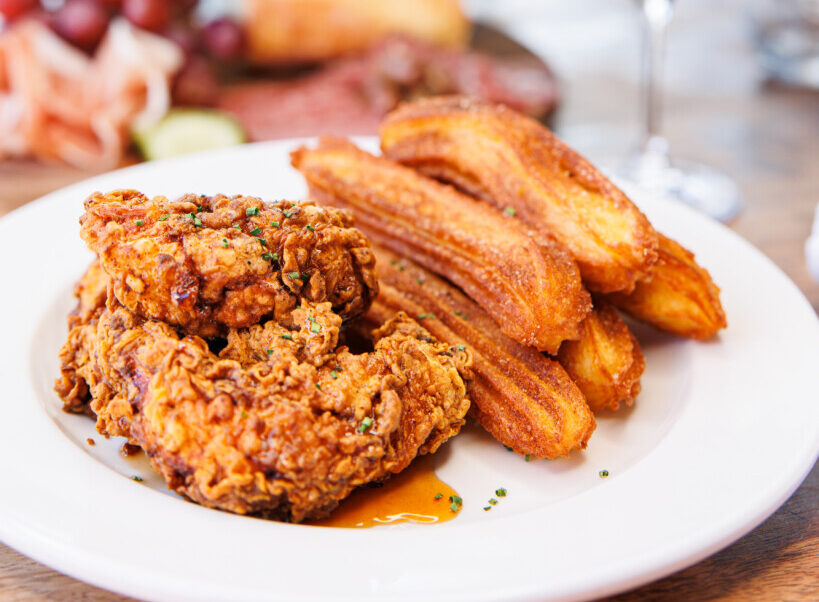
point(650, 165)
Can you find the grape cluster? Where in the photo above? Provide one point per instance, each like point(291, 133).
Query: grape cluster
point(83, 23)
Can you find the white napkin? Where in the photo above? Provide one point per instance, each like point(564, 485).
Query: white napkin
point(812, 247)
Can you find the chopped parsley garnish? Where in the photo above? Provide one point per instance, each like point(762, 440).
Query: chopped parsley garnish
point(274, 224)
point(461, 347)
point(293, 275)
point(287, 213)
point(456, 504)
point(139, 222)
point(318, 386)
point(527, 457)
point(305, 275)
point(420, 282)
point(287, 337)
point(508, 448)
point(136, 478)
point(270, 256)
point(334, 374)
point(500, 492)
point(422, 316)
point(493, 501)
point(269, 352)
point(393, 262)
point(510, 211)
point(237, 226)
point(439, 496)
point(197, 222)
point(337, 368)
point(604, 474)
point(292, 205)
point(315, 327)
point(401, 268)
point(225, 243)
point(262, 241)
point(244, 414)
point(309, 227)
point(487, 508)
point(365, 424)
point(252, 211)
point(461, 314)
point(432, 315)
point(164, 217)
point(255, 231)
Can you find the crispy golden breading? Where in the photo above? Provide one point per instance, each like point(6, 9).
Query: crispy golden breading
point(288, 428)
point(531, 289)
point(516, 163)
point(524, 399)
point(678, 295)
point(207, 264)
point(607, 362)
point(90, 291)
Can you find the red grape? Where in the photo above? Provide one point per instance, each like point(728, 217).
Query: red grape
point(195, 84)
point(224, 39)
point(11, 9)
point(152, 15)
point(183, 36)
point(112, 3)
point(81, 22)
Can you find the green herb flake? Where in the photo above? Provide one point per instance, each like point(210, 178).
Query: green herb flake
point(393, 262)
point(292, 205)
point(255, 231)
point(225, 243)
point(139, 222)
point(422, 316)
point(365, 424)
point(337, 368)
point(269, 352)
point(315, 327)
point(287, 337)
point(420, 282)
point(432, 315)
point(318, 386)
point(287, 213)
point(164, 217)
point(487, 508)
point(500, 492)
point(275, 224)
point(262, 241)
point(137, 478)
point(305, 275)
point(510, 211)
point(197, 222)
point(493, 501)
point(439, 496)
point(334, 374)
point(309, 227)
point(461, 347)
point(252, 211)
point(401, 268)
point(508, 448)
point(293, 275)
point(527, 457)
point(268, 256)
point(244, 414)
point(456, 504)
point(604, 474)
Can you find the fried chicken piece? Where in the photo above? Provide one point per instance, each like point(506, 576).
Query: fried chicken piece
point(523, 398)
point(606, 362)
point(531, 288)
point(678, 295)
point(207, 264)
point(514, 162)
point(90, 291)
point(288, 427)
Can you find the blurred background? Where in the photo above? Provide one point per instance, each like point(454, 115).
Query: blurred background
point(713, 103)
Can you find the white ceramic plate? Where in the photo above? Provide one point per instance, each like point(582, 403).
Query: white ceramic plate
point(721, 435)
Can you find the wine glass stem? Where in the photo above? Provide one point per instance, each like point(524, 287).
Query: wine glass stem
point(657, 15)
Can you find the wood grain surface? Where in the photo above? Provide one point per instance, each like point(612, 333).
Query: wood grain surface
point(765, 136)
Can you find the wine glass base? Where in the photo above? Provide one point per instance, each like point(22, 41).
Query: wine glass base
point(702, 187)
point(699, 186)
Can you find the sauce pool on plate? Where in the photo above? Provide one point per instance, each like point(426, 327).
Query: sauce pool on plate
point(412, 496)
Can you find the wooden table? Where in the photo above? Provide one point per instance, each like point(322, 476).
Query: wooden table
point(768, 139)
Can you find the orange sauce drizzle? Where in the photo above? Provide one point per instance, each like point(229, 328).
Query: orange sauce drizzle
point(408, 497)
